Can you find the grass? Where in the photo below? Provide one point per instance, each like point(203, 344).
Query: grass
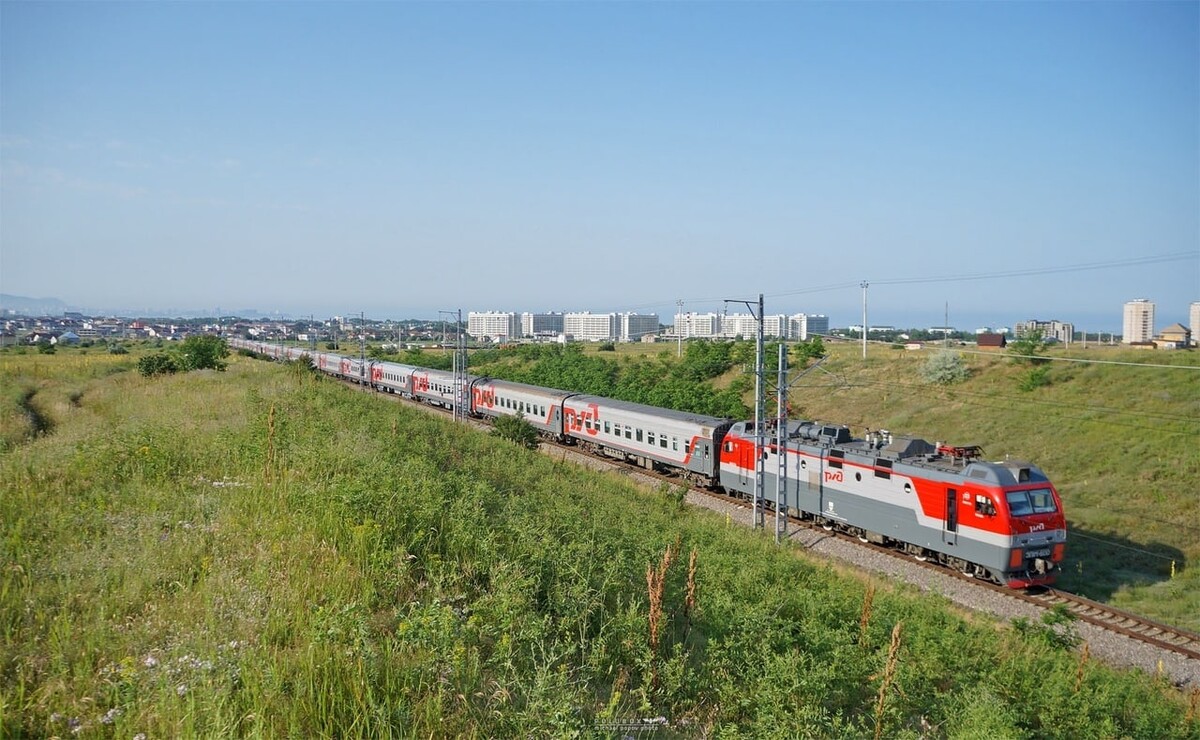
point(260, 552)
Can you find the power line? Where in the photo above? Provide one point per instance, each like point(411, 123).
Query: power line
point(1027, 272)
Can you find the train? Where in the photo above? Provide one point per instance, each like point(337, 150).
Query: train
point(1000, 521)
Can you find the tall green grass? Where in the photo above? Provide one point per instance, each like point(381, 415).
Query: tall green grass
point(260, 552)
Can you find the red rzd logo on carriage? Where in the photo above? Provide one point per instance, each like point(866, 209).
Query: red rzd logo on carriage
point(574, 419)
point(833, 476)
point(484, 397)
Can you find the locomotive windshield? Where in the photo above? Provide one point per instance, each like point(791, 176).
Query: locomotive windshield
point(1036, 501)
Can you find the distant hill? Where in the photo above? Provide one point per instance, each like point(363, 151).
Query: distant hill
point(32, 306)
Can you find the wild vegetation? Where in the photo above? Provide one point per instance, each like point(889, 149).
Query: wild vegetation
point(263, 552)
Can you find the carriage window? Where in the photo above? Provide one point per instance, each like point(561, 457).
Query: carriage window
point(650, 438)
point(639, 435)
point(607, 428)
point(662, 442)
point(687, 447)
point(675, 443)
point(628, 432)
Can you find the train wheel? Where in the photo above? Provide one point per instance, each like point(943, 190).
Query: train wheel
point(827, 525)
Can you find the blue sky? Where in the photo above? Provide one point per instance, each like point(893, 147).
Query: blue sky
point(401, 158)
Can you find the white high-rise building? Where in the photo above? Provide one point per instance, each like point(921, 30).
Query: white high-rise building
point(634, 326)
point(1139, 322)
point(541, 324)
point(494, 326)
point(1194, 322)
point(697, 325)
point(803, 325)
point(591, 327)
point(742, 325)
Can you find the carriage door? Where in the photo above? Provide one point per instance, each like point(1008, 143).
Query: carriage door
point(950, 535)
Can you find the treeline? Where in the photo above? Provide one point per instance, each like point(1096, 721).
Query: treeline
point(663, 381)
point(683, 383)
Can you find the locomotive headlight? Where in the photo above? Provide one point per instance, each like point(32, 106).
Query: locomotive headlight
point(1040, 565)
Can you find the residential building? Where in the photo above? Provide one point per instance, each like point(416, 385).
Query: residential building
point(1175, 336)
point(1194, 322)
point(697, 325)
point(801, 326)
point(541, 325)
point(494, 326)
point(1054, 330)
point(634, 326)
point(591, 327)
point(1138, 326)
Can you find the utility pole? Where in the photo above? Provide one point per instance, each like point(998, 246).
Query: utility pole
point(759, 413)
point(864, 285)
point(946, 327)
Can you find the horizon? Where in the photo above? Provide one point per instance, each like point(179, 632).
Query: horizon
point(968, 322)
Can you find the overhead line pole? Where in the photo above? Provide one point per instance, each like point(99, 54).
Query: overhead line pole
point(760, 443)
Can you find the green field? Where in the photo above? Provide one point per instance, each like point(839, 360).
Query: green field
point(263, 552)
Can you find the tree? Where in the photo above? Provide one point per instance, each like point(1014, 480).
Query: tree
point(203, 352)
point(812, 349)
point(1026, 348)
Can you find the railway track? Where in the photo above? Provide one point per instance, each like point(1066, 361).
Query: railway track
point(1126, 624)
point(1131, 625)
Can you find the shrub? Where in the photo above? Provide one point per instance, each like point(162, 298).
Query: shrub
point(944, 368)
point(159, 363)
point(516, 429)
point(1037, 377)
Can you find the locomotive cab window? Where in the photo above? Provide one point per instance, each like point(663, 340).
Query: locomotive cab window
point(1037, 501)
point(984, 505)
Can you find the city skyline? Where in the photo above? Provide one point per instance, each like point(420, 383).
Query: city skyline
point(1005, 161)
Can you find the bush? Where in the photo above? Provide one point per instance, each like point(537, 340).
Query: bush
point(516, 429)
point(45, 348)
point(944, 368)
point(159, 363)
point(117, 349)
point(1037, 377)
